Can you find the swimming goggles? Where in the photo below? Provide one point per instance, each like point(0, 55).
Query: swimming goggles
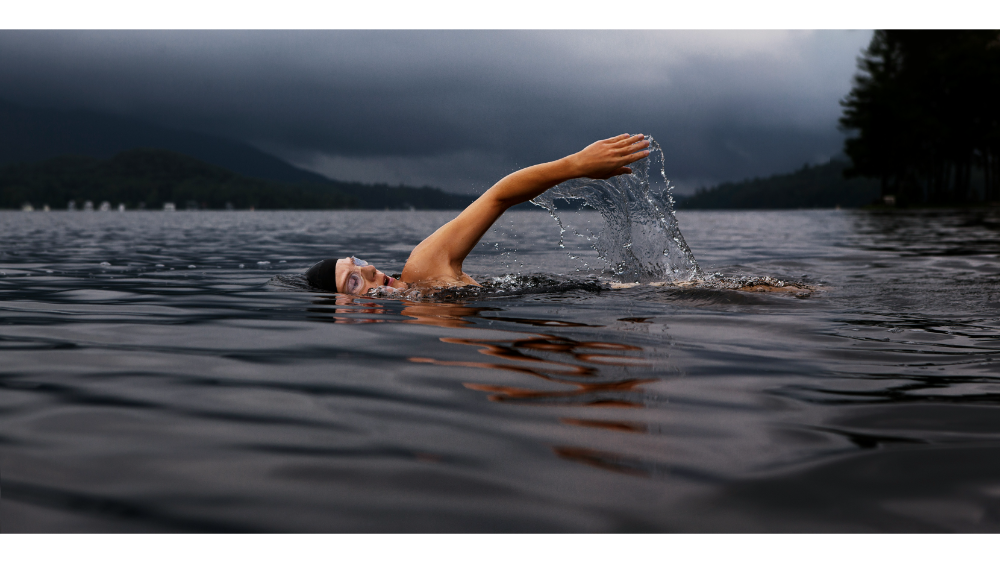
point(355, 282)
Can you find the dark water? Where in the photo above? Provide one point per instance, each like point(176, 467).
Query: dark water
point(217, 398)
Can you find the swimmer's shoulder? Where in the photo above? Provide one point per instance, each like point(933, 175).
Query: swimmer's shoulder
point(443, 282)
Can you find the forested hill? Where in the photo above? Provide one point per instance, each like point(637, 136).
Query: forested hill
point(149, 178)
point(42, 137)
point(818, 186)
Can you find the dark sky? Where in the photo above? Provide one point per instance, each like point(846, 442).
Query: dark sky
point(459, 109)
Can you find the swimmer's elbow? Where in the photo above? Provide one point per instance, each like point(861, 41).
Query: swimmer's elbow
point(495, 201)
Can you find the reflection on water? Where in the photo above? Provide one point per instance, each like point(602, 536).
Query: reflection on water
point(574, 366)
point(138, 394)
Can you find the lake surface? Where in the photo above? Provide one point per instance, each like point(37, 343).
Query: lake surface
point(190, 383)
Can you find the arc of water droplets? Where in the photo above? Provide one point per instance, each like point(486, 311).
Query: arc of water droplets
point(640, 240)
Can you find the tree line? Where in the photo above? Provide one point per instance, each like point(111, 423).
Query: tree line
point(924, 113)
point(810, 187)
point(149, 178)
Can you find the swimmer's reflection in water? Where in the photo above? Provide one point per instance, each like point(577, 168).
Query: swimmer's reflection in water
point(444, 315)
point(437, 261)
point(553, 358)
point(579, 370)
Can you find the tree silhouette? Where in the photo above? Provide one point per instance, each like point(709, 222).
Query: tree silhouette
point(924, 106)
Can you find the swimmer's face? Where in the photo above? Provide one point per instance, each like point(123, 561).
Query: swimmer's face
point(356, 277)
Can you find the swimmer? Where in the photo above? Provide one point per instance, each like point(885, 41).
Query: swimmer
point(437, 261)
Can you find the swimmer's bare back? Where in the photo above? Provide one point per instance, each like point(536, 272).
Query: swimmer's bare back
point(437, 261)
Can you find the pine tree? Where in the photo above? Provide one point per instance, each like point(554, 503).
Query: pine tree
point(924, 106)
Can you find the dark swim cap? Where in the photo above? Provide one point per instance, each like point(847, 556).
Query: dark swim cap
point(323, 275)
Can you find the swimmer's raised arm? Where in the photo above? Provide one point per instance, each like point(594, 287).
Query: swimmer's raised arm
point(440, 256)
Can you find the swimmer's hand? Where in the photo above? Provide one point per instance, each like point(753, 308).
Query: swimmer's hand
point(608, 158)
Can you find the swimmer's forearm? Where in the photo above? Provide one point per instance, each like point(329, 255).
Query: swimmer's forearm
point(532, 181)
point(600, 160)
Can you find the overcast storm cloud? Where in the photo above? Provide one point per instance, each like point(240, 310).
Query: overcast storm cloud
point(459, 109)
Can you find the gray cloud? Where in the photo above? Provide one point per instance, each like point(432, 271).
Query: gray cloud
point(458, 109)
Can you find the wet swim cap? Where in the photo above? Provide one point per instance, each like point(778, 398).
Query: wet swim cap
point(323, 275)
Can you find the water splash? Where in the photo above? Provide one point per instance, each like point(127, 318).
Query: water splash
point(640, 240)
point(506, 285)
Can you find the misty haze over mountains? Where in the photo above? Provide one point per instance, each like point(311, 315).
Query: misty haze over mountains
point(31, 135)
point(458, 109)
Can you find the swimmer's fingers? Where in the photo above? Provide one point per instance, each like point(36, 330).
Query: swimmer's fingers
point(626, 141)
point(629, 159)
point(628, 152)
point(621, 143)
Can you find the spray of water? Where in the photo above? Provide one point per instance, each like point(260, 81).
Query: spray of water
point(640, 240)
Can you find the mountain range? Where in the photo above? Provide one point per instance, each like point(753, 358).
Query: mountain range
point(44, 140)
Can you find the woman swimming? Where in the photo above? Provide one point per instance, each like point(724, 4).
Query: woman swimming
point(437, 260)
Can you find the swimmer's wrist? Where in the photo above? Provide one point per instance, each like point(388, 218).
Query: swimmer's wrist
point(571, 167)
